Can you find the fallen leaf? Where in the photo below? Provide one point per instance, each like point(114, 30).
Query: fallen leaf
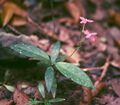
point(7, 39)
point(114, 17)
point(115, 102)
point(115, 33)
point(68, 50)
point(7, 14)
point(2, 2)
point(116, 86)
point(18, 21)
point(106, 99)
point(20, 98)
point(116, 63)
point(76, 9)
point(10, 9)
point(6, 102)
point(99, 14)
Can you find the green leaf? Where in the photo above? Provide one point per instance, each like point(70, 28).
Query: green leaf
point(34, 101)
point(61, 58)
point(54, 88)
point(41, 89)
point(56, 100)
point(31, 51)
point(55, 52)
point(47, 103)
point(74, 73)
point(49, 77)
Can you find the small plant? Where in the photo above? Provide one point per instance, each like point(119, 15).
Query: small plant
point(45, 100)
point(52, 63)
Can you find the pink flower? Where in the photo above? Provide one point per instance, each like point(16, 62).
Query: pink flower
point(89, 34)
point(84, 20)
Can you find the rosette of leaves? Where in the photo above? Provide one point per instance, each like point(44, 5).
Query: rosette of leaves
point(54, 62)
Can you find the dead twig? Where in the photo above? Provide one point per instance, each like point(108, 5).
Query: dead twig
point(99, 84)
point(104, 70)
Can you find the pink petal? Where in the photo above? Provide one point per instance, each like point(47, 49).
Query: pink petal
point(86, 32)
point(93, 38)
point(94, 33)
point(89, 21)
point(84, 20)
point(89, 34)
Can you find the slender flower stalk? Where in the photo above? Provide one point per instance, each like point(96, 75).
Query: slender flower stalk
point(88, 35)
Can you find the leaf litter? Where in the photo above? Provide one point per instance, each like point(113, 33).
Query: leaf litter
point(100, 59)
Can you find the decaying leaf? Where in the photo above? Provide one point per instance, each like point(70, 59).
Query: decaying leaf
point(9, 10)
point(6, 102)
point(18, 21)
point(68, 50)
point(116, 86)
point(114, 17)
point(115, 102)
point(2, 1)
point(75, 8)
point(115, 33)
point(20, 98)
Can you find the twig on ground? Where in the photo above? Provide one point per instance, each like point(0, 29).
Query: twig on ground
point(99, 84)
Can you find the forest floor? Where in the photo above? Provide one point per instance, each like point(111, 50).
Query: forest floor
point(43, 22)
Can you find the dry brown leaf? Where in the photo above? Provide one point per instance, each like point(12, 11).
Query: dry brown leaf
point(7, 14)
point(115, 102)
point(18, 21)
point(2, 1)
point(115, 17)
point(116, 63)
point(10, 9)
point(7, 39)
point(20, 98)
point(6, 102)
point(75, 8)
point(116, 86)
point(68, 50)
point(115, 33)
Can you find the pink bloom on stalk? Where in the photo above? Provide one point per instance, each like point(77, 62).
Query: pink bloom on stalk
point(84, 20)
point(89, 35)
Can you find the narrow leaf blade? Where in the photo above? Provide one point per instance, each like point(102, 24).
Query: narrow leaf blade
point(74, 73)
point(49, 77)
point(61, 58)
point(54, 88)
point(41, 89)
point(56, 100)
point(34, 101)
point(47, 103)
point(55, 52)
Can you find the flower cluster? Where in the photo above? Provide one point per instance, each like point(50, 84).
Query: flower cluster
point(89, 35)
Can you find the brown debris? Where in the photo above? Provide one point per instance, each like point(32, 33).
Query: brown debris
point(20, 98)
point(76, 9)
point(6, 102)
point(116, 86)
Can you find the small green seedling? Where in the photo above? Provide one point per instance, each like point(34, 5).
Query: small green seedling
point(53, 62)
point(45, 101)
